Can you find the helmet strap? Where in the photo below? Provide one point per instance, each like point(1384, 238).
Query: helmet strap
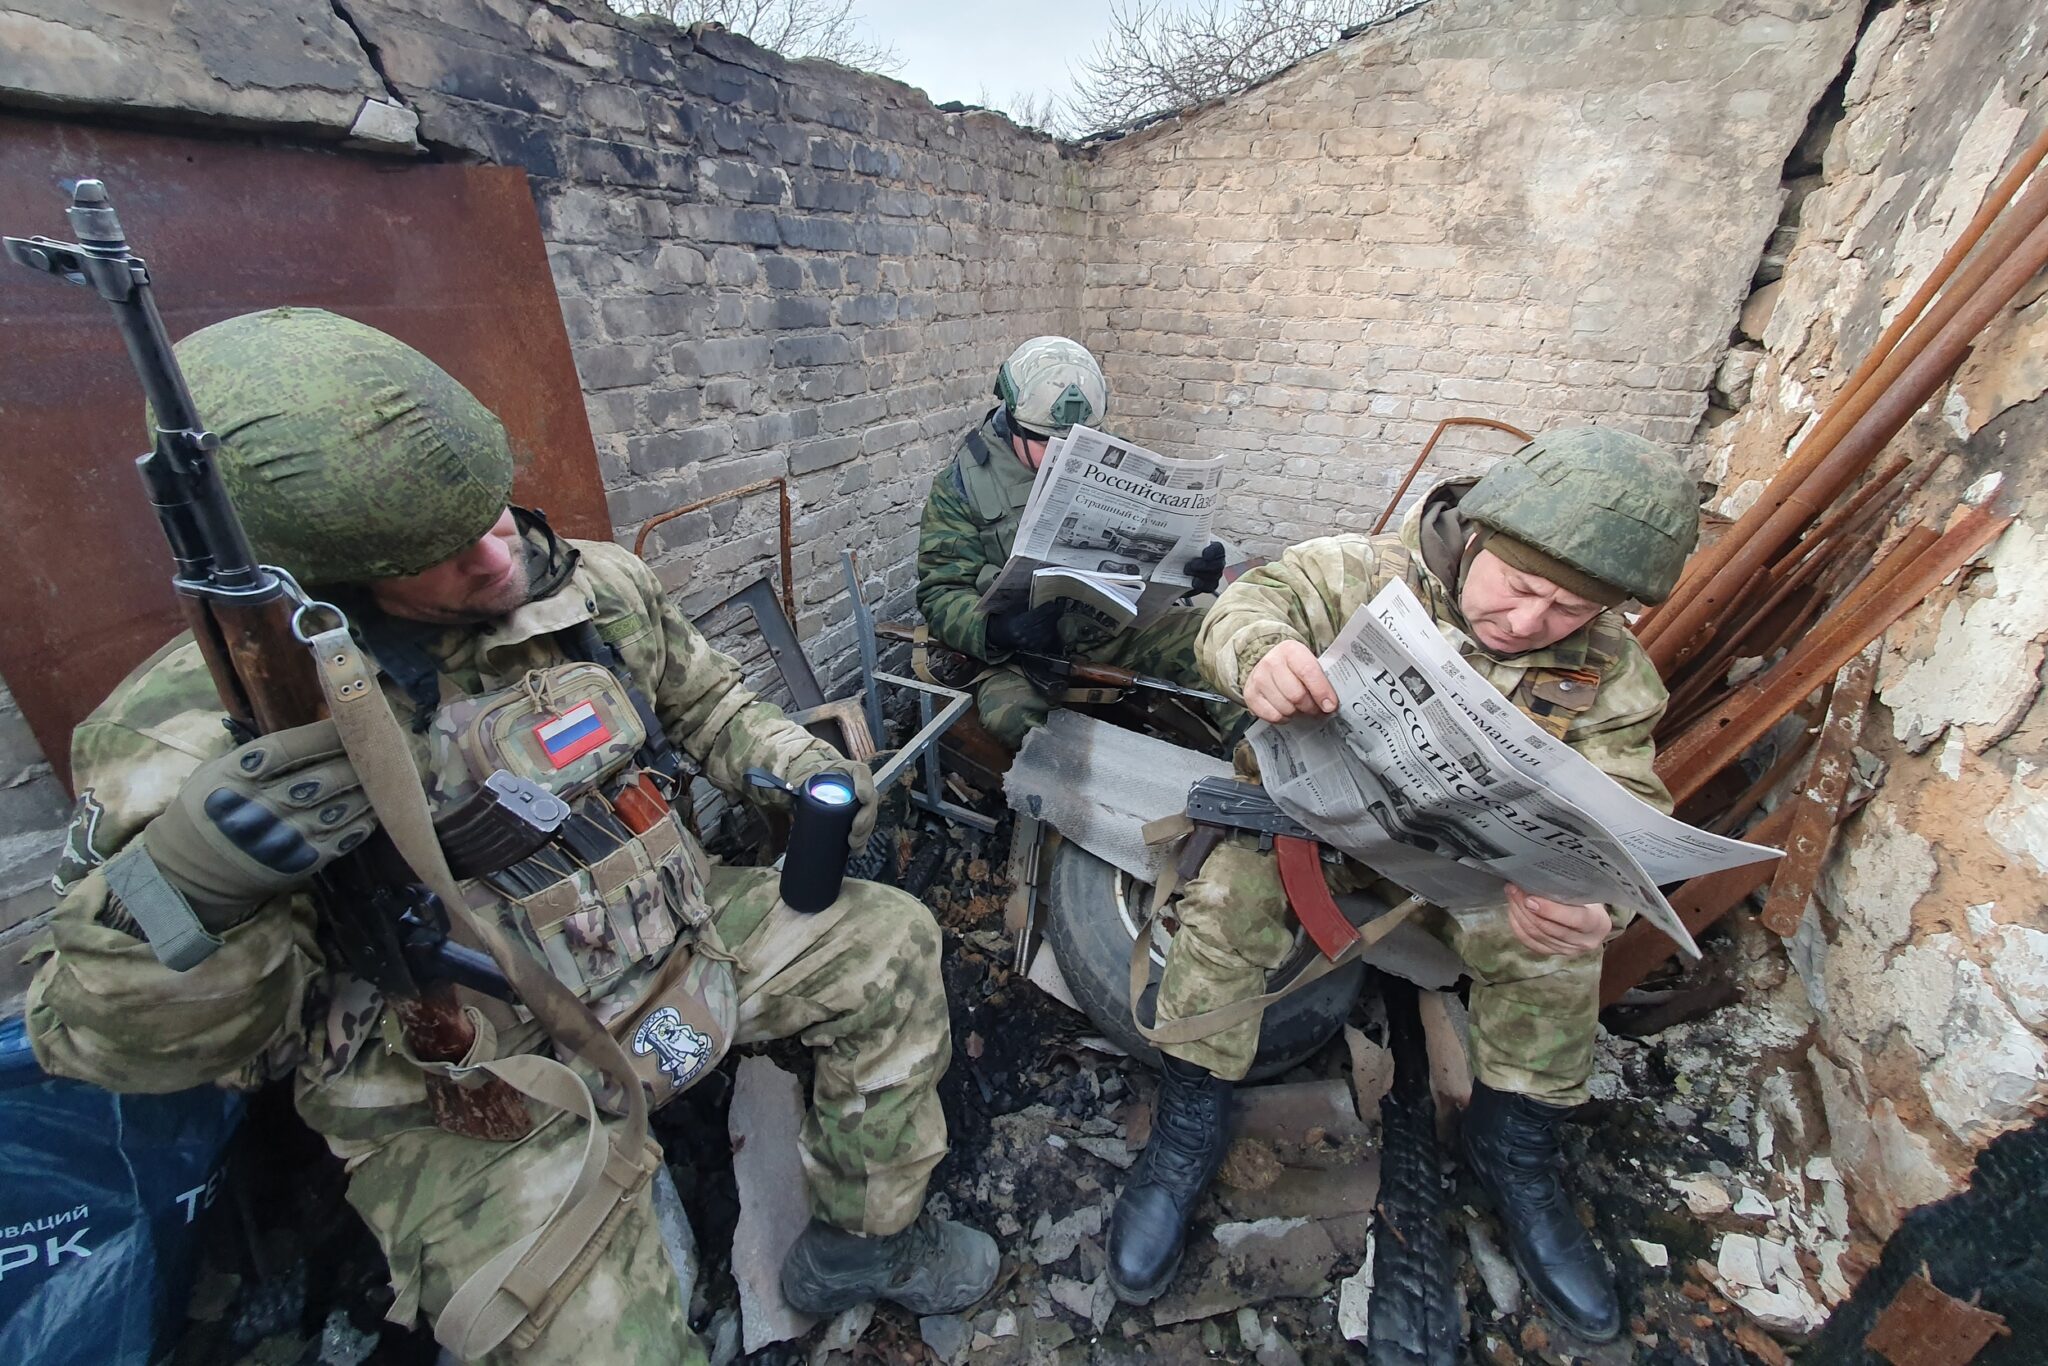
point(550, 560)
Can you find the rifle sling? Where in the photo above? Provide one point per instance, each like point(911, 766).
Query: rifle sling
point(514, 1294)
point(1213, 1022)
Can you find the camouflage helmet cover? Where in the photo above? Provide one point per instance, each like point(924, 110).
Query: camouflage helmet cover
point(1050, 383)
point(1614, 506)
point(348, 455)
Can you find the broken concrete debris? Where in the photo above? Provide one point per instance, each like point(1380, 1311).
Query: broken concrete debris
point(842, 1333)
point(1704, 1195)
point(1354, 1299)
point(1090, 1301)
point(767, 1110)
point(1654, 1255)
point(947, 1335)
point(1255, 1262)
point(1763, 1277)
point(1496, 1272)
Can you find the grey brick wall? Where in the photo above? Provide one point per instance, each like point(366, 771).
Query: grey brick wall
point(767, 268)
point(1543, 212)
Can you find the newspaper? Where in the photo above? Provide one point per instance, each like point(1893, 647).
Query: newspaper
point(1109, 524)
point(1427, 775)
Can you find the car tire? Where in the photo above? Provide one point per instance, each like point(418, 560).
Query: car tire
point(1092, 912)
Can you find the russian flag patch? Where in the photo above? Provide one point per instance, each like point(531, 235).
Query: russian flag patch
point(572, 735)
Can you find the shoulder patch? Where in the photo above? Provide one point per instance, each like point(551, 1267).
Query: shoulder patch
point(81, 843)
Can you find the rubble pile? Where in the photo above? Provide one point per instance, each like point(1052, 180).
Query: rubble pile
point(1708, 1203)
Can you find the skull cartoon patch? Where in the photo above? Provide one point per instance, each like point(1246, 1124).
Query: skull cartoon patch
point(684, 1050)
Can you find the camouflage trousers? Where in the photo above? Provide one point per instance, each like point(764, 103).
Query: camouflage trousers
point(1533, 1016)
point(1011, 705)
point(858, 981)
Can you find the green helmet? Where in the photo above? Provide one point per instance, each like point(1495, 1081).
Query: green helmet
point(1612, 506)
point(1050, 383)
point(348, 455)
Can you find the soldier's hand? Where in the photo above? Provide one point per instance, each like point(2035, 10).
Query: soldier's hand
point(870, 806)
point(1036, 631)
point(823, 758)
point(1287, 683)
point(1205, 571)
point(1558, 929)
point(259, 820)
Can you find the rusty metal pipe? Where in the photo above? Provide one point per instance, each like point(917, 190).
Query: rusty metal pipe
point(1881, 350)
point(1668, 633)
point(1642, 947)
point(1880, 600)
point(1903, 384)
point(1427, 447)
point(1828, 575)
point(781, 487)
point(1742, 807)
point(1764, 687)
point(1843, 516)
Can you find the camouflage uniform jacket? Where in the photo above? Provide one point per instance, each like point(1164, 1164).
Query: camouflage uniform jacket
point(969, 526)
point(1595, 689)
point(101, 1008)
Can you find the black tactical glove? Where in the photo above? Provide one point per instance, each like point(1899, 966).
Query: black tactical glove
point(1205, 570)
point(1035, 632)
point(260, 820)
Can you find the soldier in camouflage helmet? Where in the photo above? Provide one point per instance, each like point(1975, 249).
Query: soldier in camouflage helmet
point(364, 468)
point(1524, 572)
point(970, 523)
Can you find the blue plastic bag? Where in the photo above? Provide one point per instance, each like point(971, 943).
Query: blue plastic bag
point(99, 1200)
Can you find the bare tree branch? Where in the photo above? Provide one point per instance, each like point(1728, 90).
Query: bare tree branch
point(1159, 58)
point(1042, 110)
point(830, 30)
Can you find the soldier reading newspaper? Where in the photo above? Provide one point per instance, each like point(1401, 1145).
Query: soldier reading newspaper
point(1462, 710)
point(1110, 525)
point(1115, 511)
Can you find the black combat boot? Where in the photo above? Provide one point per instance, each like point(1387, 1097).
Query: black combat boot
point(1511, 1142)
point(1190, 1135)
point(936, 1266)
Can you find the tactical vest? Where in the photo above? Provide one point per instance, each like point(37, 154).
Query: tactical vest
point(996, 485)
point(617, 914)
point(1551, 696)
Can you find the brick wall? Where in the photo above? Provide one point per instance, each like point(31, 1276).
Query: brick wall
point(1541, 211)
point(767, 268)
point(1544, 212)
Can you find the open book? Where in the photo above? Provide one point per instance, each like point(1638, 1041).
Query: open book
point(1111, 525)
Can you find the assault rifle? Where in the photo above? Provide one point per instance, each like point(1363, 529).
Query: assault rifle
point(1054, 673)
point(249, 620)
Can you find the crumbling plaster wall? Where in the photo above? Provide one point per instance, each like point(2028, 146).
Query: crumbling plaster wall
point(1926, 954)
point(1545, 213)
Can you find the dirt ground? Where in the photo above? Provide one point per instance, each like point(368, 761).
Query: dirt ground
point(1044, 1117)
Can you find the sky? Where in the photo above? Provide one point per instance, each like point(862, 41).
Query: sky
point(956, 49)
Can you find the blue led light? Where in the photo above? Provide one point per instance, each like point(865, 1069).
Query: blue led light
point(831, 791)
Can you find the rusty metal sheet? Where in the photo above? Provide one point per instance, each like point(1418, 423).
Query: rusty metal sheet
point(448, 258)
point(1926, 1326)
